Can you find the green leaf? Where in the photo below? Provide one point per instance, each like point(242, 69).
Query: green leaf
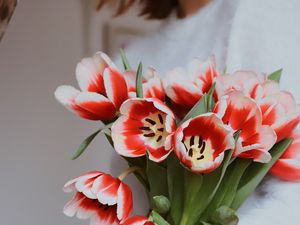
point(138, 83)
point(161, 204)
point(210, 98)
point(207, 192)
point(83, 146)
point(256, 172)
point(226, 216)
point(204, 105)
point(232, 181)
point(157, 178)
point(175, 173)
point(275, 76)
point(228, 187)
point(192, 186)
point(125, 60)
point(158, 219)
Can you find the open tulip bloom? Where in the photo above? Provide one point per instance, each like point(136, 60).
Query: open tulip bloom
point(198, 140)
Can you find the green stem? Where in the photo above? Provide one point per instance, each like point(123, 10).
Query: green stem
point(130, 170)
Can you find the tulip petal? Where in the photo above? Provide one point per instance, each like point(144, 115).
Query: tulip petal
point(81, 206)
point(105, 216)
point(241, 112)
point(124, 202)
point(244, 81)
point(288, 166)
point(89, 74)
point(287, 169)
point(115, 85)
point(85, 182)
point(98, 105)
point(258, 145)
point(126, 137)
point(180, 89)
point(105, 188)
point(66, 95)
point(136, 220)
point(281, 113)
point(203, 73)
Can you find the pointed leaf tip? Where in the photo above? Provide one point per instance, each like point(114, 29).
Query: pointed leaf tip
point(275, 76)
point(125, 60)
point(83, 146)
point(138, 83)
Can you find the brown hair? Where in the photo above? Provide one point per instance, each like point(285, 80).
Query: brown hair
point(151, 9)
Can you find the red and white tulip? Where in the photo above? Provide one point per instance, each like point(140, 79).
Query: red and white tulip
point(288, 166)
point(185, 88)
point(102, 89)
point(151, 83)
point(243, 81)
point(279, 109)
point(200, 142)
point(138, 220)
point(145, 125)
point(242, 114)
point(100, 197)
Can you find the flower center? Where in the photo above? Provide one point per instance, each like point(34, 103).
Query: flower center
point(154, 127)
point(198, 149)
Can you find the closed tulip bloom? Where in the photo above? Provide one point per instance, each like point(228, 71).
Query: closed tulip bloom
point(186, 87)
point(102, 89)
point(241, 113)
point(100, 197)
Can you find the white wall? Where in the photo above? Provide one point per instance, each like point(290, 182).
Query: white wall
point(39, 51)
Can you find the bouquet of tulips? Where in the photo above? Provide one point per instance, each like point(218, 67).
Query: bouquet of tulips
point(200, 141)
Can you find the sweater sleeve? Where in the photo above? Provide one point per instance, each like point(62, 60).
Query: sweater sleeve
point(265, 36)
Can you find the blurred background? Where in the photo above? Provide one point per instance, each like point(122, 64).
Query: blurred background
point(38, 52)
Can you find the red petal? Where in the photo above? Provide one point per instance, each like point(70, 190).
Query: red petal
point(81, 206)
point(89, 72)
point(124, 205)
point(126, 137)
point(286, 129)
point(96, 104)
point(136, 220)
point(287, 169)
point(158, 154)
point(105, 188)
point(115, 86)
point(105, 216)
point(180, 89)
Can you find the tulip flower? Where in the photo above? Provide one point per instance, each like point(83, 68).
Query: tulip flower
point(243, 81)
point(100, 197)
point(138, 220)
point(145, 125)
point(185, 88)
point(288, 166)
point(242, 114)
point(151, 83)
point(103, 89)
point(200, 142)
point(279, 109)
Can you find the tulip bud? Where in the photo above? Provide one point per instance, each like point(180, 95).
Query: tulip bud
point(161, 204)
